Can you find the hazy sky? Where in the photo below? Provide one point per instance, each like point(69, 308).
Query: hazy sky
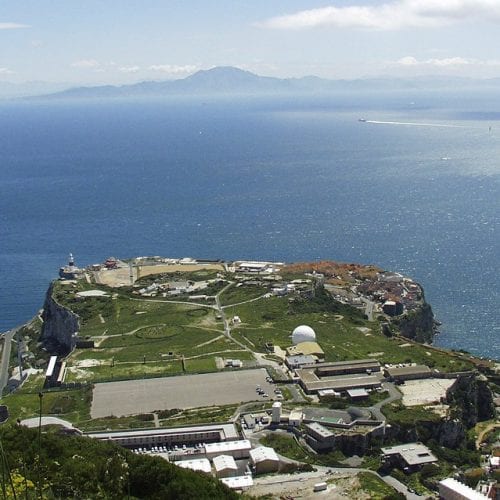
point(122, 41)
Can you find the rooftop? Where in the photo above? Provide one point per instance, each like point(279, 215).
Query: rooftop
point(239, 482)
point(242, 444)
point(228, 432)
point(408, 370)
point(462, 489)
point(199, 464)
point(222, 462)
point(411, 453)
point(263, 453)
point(318, 428)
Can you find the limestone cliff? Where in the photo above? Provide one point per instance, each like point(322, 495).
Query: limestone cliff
point(418, 324)
point(59, 326)
point(471, 400)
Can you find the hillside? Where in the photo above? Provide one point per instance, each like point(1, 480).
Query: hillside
point(76, 467)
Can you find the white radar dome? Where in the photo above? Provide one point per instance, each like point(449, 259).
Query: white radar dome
point(303, 333)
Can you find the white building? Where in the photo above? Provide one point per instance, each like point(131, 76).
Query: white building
point(199, 464)
point(295, 418)
point(451, 489)
point(237, 449)
point(238, 483)
point(225, 466)
point(276, 412)
point(264, 459)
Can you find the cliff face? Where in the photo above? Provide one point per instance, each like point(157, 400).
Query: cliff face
point(418, 324)
point(450, 433)
point(59, 326)
point(471, 400)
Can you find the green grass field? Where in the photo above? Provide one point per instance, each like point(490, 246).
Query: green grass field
point(140, 338)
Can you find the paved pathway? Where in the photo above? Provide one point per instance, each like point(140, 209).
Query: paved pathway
point(394, 395)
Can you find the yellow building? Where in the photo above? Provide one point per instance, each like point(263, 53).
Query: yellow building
point(306, 349)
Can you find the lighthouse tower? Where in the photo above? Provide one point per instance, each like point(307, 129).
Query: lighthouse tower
point(69, 272)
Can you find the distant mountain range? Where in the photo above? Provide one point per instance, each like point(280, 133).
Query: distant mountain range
point(229, 80)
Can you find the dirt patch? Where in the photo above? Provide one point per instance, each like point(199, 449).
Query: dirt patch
point(88, 363)
point(209, 341)
point(301, 486)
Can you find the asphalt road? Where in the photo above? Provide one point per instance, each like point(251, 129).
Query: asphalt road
point(394, 394)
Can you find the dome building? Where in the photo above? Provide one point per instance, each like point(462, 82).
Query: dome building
point(303, 333)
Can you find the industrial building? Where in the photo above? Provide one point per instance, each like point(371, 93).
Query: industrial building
point(311, 383)
point(171, 436)
point(339, 376)
point(225, 466)
point(238, 483)
point(402, 373)
point(264, 460)
point(237, 449)
point(294, 362)
point(199, 465)
point(365, 366)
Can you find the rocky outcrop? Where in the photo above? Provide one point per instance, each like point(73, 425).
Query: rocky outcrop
point(60, 326)
point(450, 433)
point(471, 400)
point(418, 325)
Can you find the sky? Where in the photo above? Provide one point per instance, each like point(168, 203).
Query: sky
point(95, 42)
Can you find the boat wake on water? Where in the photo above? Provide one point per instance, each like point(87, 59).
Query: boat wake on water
point(413, 124)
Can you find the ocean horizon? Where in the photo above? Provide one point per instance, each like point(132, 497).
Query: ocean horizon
point(408, 181)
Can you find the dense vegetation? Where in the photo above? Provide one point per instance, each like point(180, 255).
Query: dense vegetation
point(78, 467)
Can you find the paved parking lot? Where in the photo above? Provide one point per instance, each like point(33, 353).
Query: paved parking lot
point(187, 391)
point(427, 391)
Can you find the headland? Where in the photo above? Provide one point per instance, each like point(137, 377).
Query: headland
point(156, 354)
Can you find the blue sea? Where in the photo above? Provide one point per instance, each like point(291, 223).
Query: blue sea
point(413, 189)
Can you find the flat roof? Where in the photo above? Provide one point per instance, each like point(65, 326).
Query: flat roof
point(321, 430)
point(228, 431)
point(243, 444)
point(300, 359)
point(239, 482)
point(357, 393)
point(296, 415)
point(199, 464)
point(337, 383)
point(343, 364)
point(462, 489)
point(52, 365)
point(411, 453)
point(408, 370)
